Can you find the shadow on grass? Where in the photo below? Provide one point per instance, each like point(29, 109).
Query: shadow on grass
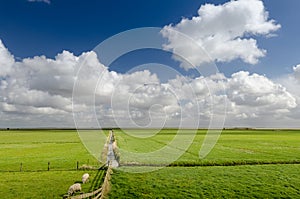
point(98, 179)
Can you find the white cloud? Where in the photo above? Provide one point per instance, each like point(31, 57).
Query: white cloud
point(256, 100)
point(44, 1)
point(292, 84)
point(252, 99)
point(258, 91)
point(38, 92)
point(223, 31)
point(6, 61)
point(39, 86)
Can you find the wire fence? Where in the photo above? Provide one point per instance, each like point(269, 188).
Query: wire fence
point(52, 166)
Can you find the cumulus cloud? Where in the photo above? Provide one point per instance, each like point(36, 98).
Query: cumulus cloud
point(292, 83)
point(258, 91)
point(223, 31)
point(249, 96)
point(257, 98)
point(6, 61)
point(38, 91)
point(40, 85)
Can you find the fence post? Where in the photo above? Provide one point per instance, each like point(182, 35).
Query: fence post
point(48, 166)
point(21, 166)
point(77, 165)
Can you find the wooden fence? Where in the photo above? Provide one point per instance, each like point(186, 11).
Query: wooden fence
point(50, 166)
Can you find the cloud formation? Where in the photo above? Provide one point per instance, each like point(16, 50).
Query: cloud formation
point(38, 92)
point(292, 84)
point(225, 32)
point(6, 61)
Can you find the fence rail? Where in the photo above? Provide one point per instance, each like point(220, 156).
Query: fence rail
point(102, 191)
point(50, 166)
point(87, 195)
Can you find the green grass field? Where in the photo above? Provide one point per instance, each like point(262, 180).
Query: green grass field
point(243, 146)
point(63, 148)
point(259, 181)
point(34, 149)
point(45, 184)
point(237, 148)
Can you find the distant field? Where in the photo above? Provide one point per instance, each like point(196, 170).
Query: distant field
point(35, 148)
point(242, 146)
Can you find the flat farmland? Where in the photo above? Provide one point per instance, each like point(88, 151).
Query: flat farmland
point(248, 181)
point(233, 146)
point(243, 163)
point(34, 149)
point(42, 184)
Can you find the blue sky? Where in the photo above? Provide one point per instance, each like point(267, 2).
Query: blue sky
point(37, 28)
point(254, 43)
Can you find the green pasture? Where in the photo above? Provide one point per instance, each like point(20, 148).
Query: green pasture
point(259, 181)
point(35, 148)
point(45, 184)
point(240, 146)
point(238, 149)
point(280, 149)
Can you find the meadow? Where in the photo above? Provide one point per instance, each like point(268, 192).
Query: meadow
point(34, 149)
point(233, 146)
point(243, 163)
point(248, 181)
point(44, 184)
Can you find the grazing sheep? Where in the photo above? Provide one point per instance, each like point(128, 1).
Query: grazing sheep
point(85, 178)
point(74, 188)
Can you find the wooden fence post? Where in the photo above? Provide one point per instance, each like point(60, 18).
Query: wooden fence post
point(21, 166)
point(77, 165)
point(48, 166)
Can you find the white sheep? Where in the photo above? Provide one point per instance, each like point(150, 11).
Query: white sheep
point(74, 188)
point(85, 178)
